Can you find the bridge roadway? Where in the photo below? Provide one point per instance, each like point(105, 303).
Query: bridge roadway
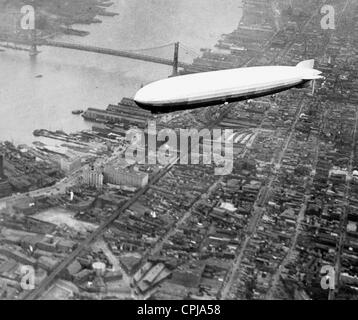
point(119, 53)
point(94, 49)
point(112, 52)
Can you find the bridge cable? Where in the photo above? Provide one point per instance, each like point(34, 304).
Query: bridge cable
point(152, 48)
point(190, 49)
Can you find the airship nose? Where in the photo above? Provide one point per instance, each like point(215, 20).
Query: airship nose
point(146, 95)
point(139, 96)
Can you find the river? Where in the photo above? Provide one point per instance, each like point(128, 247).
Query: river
point(78, 80)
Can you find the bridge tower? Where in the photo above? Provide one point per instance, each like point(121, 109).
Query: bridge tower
point(33, 37)
point(33, 47)
point(175, 60)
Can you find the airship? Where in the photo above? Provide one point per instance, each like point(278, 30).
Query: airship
point(224, 86)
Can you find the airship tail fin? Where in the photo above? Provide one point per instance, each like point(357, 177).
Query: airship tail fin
point(307, 71)
point(308, 64)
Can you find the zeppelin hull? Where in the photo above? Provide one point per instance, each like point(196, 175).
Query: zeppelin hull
point(172, 106)
point(218, 87)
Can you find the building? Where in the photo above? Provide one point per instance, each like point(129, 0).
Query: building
point(5, 188)
point(2, 175)
point(93, 178)
point(82, 205)
point(118, 176)
point(104, 116)
point(70, 165)
point(24, 205)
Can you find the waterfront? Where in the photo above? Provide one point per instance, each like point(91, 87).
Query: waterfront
point(78, 80)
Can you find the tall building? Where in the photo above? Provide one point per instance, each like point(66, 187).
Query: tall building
point(125, 177)
point(93, 178)
point(70, 165)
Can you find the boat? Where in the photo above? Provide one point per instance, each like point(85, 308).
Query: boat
point(39, 132)
point(77, 112)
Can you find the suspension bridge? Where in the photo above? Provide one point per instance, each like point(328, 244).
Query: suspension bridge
point(34, 43)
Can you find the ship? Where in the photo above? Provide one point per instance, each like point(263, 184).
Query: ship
point(77, 112)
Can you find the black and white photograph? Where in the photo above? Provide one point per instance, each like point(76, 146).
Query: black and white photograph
point(179, 156)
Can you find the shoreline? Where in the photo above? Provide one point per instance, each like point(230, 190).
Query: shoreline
point(53, 19)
